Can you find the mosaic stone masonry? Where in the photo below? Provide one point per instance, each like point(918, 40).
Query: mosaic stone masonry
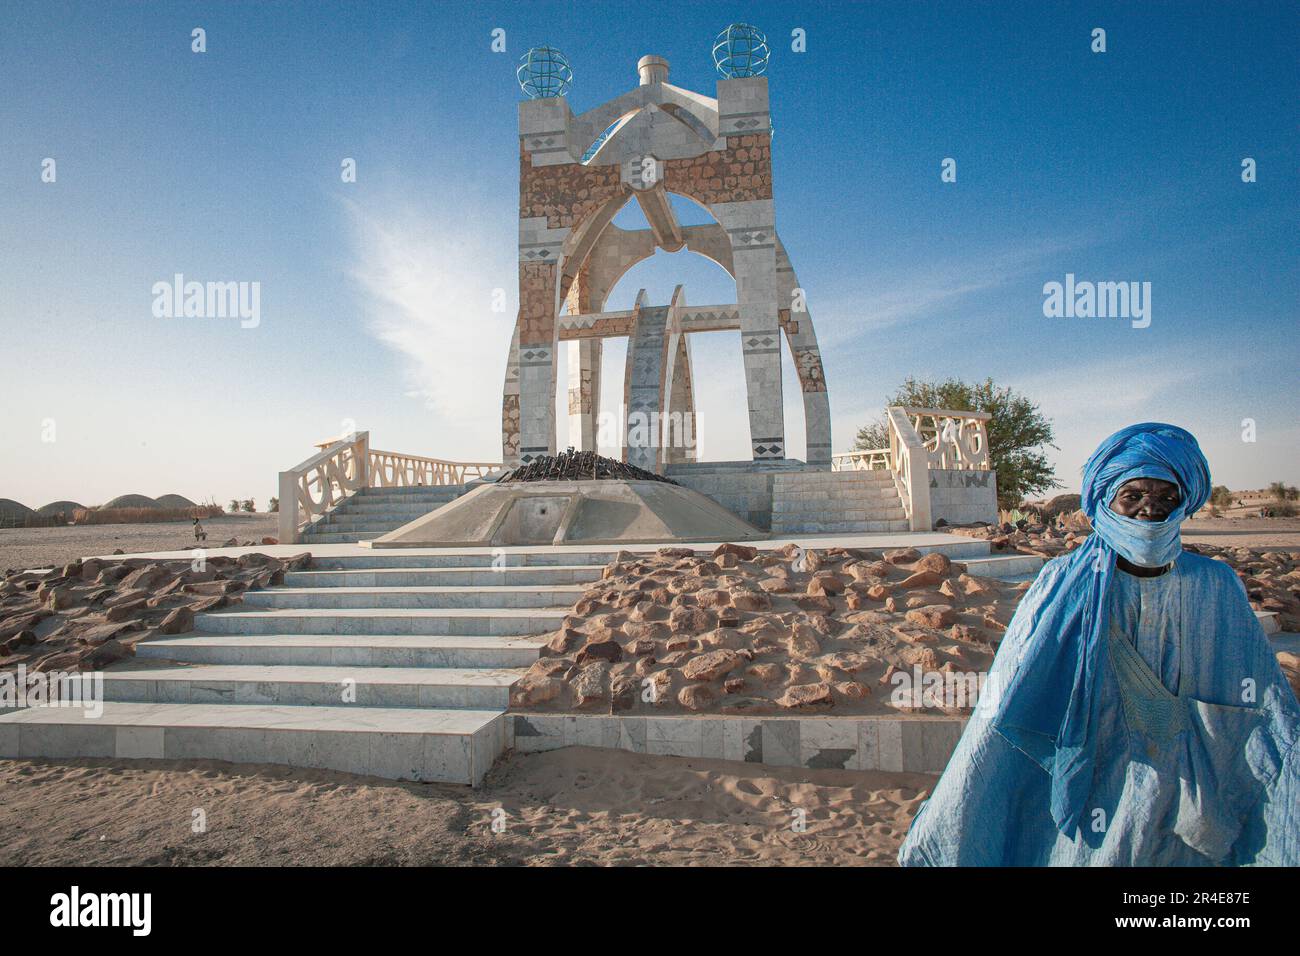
point(655, 140)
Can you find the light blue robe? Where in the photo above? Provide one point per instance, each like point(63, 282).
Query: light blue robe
point(1195, 730)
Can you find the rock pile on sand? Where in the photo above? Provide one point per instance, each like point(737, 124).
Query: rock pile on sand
point(790, 631)
point(1271, 577)
point(93, 612)
point(793, 631)
point(1047, 540)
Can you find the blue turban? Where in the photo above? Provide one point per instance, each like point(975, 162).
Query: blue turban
point(1072, 626)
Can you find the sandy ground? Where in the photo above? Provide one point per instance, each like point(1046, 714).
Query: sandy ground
point(25, 548)
point(573, 806)
point(1276, 533)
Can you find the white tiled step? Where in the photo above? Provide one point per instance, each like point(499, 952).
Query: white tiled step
point(448, 746)
point(411, 490)
point(800, 526)
point(166, 682)
point(313, 536)
point(854, 511)
point(804, 478)
point(833, 493)
point(380, 523)
point(360, 650)
point(445, 577)
point(425, 501)
point(480, 621)
point(1004, 566)
point(402, 558)
point(418, 597)
point(409, 509)
point(409, 559)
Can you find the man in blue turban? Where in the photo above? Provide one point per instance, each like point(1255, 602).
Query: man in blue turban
point(1135, 714)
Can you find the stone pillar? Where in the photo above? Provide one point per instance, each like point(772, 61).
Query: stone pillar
point(796, 321)
point(556, 197)
point(510, 405)
point(537, 346)
point(749, 227)
point(735, 184)
point(679, 433)
point(584, 393)
point(643, 386)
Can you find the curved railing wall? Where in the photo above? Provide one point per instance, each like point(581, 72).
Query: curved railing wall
point(317, 486)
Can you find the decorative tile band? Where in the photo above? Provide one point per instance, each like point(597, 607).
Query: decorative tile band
point(912, 744)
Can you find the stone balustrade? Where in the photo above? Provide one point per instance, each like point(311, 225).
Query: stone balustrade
point(872, 459)
point(344, 466)
point(390, 469)
point(926, 444)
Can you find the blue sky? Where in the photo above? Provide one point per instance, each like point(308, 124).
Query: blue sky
point(376, 295)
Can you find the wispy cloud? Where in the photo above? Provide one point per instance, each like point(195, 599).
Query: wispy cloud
point(431, 280)
point(912, 295)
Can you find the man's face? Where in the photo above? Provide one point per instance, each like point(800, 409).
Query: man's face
point(1146, 499)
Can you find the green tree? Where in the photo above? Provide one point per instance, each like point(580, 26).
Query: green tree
point(1283, 492)
point(1220, 497)
point(233, 506)
point(1019, 433)
point(273, 505)
point(248, 505)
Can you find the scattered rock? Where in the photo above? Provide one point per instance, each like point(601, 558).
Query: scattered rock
point(934, 561)
point(177, 621)
point(589, 687)
point(903, 556)
point(696, 697)
point(710, 666)
point(691, 620)
point(563, 641)
point(741, 551)
point(920, 579)
point(803, 642)
point(602, 650)
point(806, 695)
point(933, 615)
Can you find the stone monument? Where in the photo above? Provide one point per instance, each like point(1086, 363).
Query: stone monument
point(575, 173)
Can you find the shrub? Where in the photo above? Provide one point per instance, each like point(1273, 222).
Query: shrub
point(142, 515)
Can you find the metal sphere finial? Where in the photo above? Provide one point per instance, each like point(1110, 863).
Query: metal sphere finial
point(543, 73)
point(740, 50)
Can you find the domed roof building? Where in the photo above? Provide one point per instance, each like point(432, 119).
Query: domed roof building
point(175, 501)
point(131, 501)
point(13, 511)
point(54, 508)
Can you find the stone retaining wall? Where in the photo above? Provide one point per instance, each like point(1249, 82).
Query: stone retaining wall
point(960, 497)
point(899, 744)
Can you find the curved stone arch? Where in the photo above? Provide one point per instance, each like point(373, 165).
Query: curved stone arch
point(614, 254)
point(624, 249)
point(710, 241)
point(802, 340)
point(623, 271)
point(715, 152)
point(583, 238)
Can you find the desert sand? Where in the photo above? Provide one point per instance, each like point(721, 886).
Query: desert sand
point(25, 548)
point(577, 806)
point(1246, 532)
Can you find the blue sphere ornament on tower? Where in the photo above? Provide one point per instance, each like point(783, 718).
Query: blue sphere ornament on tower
point(544, 73)
point(740, 50)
